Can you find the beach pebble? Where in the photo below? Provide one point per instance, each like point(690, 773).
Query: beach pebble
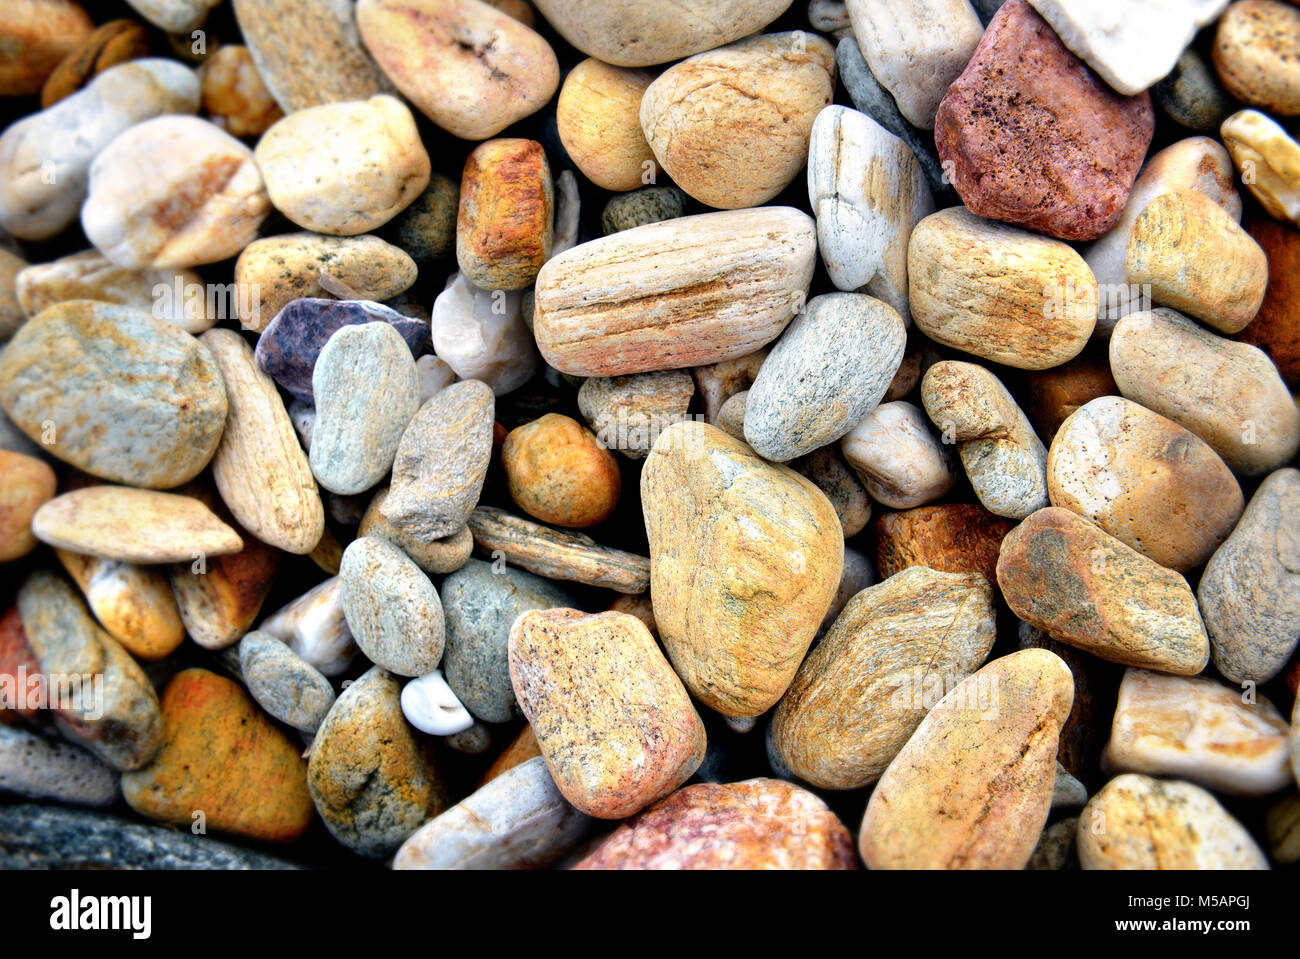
point(234, 95)
point(973, 786)
point(36, 36)
point(1052, 396)
point(898, 457)
point(719, 382)
point(1137, 822)
point(754, 824)
point(827, 468)
point(471, 69)
point(599, 120)
point(1268, 159)
point(1192, 94)
point(283, 683)
point(731, 418)
point(481, 335)
point(999, 292)
point(518, 821)
point(46, 769)
point(12, 314)
point(746, 557)
point(174, 16)
point(426, 229)
point(392, 609)
point(372, 781)
point(951, 537)
point(434, 556)
point(1195, 728)
point(315, 627)
point(558, 472)
point(893, 652)
point(651, 204)
point(46, 158)
point(506, 223)
point(274, 271)
point(26, 484)
point(1255, 45)
point(628, 413)
point(1145, 480)
point(1250, 590)
point(1276, 327)
point(614, 723)
point(731, 126)
point(133, 603)
point(708, 288)
point(1061, 573)
point(430, 705)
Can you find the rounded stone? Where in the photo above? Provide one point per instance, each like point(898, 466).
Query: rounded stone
point(482, 335)
point(426, 230)
point(1255, 46)
point(953, 537)
point(629, 412)
point(898, 457)
point(599, 119)
point(435, 556)
point(37, 35)
point(392, 609)
point(827, 468)
point(133, 603)
point(1192, 95)
point(651, 204)
point(559, 472)
point(284, 684)
point(1262, 147)
point(506, 223)
point(234, 95)
point(39, 768)
point(26, 484)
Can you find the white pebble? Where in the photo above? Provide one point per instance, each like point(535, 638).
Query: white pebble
point(431, 707)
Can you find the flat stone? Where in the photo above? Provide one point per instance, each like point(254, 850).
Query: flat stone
point(614, 723)
point(38, 34)
point(973, 786)
point(1145, 480)
point(482, 335)
point(1268, 159)
point(1061, 573)
point(951, 537)
point(755, 824)
point(893, 652)
point(133, 603)
point(745, 559)
point(559, 472)
point(393, 610)
point(628, 413)
point(314, 627)
point(1276, 327)
point(651, 204)
point(832, 475)
point(283, 683)
point(234, 96)
point(506, 224)
point(1254, 53)
point(40, 768)
point(26, 484)
point(1031, 136)
point(898, 457)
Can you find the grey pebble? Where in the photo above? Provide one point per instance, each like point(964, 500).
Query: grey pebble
point(283, 683)
point(41, 768)
point(392, 609)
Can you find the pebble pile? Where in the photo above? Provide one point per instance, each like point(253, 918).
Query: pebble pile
point(726, 434)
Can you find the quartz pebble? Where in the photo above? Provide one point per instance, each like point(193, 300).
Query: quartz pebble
point(1255, 45)
point(898, 457)
point(430, 705)
point(481, 335)
point(41, 768)
point(234, 95)
point(1137, 822)
point(1197, 729)
point(506, 223)
point(26, 484)
point(174, 16)
point(392, 609)
point(315, 627)
point(558, 471)
point(628, 413)
point(1268, 160)
point(133, 603)
point(599, 118)
point(951, 537)
point(283, 683)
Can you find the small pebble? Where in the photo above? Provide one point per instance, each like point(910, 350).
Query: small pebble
point(898, 457)
point(559, 473)
point(429, 705)
point(47, 769)
point(1268, 159)
point(234, 95)
point(651, 204)
point(283, 683)
point(599, 119)
point(481, 335)
point(392, 609)
point(133, 603)
point(314, 627)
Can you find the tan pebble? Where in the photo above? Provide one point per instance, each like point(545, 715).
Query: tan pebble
point(558, 472)
point(1261, 148)
point(506, 224)
point(26, 484)
point(234, 94)
point(1255, 46)
point(599, 120)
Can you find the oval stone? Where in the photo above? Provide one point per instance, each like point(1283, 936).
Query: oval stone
point(392, 609)
point(506, 223)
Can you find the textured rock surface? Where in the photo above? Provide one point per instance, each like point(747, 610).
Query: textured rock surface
point(26, 484)
point(426, 230)
point(1031, 136)
point(234, 95)
point(755, 824)
point(506, 224)
point(599, 119)
point(283, 683)
point(1261, 146)
point(893, 652)
point(745, 560)
point(709, 288)
point(40, 768)
point(614, 723)
point(1192, 95)
point(1255, 45)
point(393, 610)
point(973, 786)
point(628, 413)
point(898, 457)
point(827, 468)
point(37, 35)
point(558, 472)
point(1062, 574)
point(436, 556)
point(651, 204)
point(133, 603)
point(952, 537)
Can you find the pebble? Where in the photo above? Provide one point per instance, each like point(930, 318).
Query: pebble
point(731, 126)
point(344, 168)
point(1229, 394)
point(719, 382)
point(1196, 258)
point(109, 45)
point(26, 484)
point(223, 759)
point(12, 315)
point(898, 457)
point(746, 557)
point(517, 821)
point(434, 556)
point(426, 230)
point(864, 222)
point(628, 413)
point(557, 554)
point(858, 574)
point(1250, 590)
point(274, 271)
point(482, 335)
point(481, 603)
point(1053, 395)
point(45, 158)
point(1192, 96)
point(599, 120)
point(37, 35)
point(949, 537)
point(113, 712)
point(731, 418)
point(434, 375)
point(973, 786)
point(441, 462)
point(1255, 45)
point(1197, 729)
point(505, 227)
point(1055, 849)
point(372, 781)
point(638, 737)
point(284, 684)
point(40, 768)
point(1145, 480)
point(393, 610)
point(830, 16)
point(1132, 48)
point(315, 628)
point(558, 472)
point(133, 525)
point(892, 653)
point(116, 392)
point(1030, 136)
point(651, 204)
point(291, 343)
point(1276, 328)
point(172, 192)
point(471, 69)
point(309, 52)
point(999, 292)
point(366, 393)
point(711, 287)
point(827, 468)
point(1136, 822)
point(429, 705)
point(133, 603)
point(1280, 822)
point(754, 824)
point(1004, 459)
point(1269, 161)
point(1061, 573)
point(1197, 163)
point(1068, 792)
point(916, 48)
point(174, 16)
point(234, 95)
point(630, 34)
point(830, 368)
point(474, 740)
point(16, 656)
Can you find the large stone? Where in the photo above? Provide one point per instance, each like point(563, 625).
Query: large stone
point(174, 16)
point(110, 45)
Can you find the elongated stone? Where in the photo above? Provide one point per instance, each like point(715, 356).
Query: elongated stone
point(133, 603)
point(40, 768)
point(393, 610)
point(1268, 159)
point(283, 683)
